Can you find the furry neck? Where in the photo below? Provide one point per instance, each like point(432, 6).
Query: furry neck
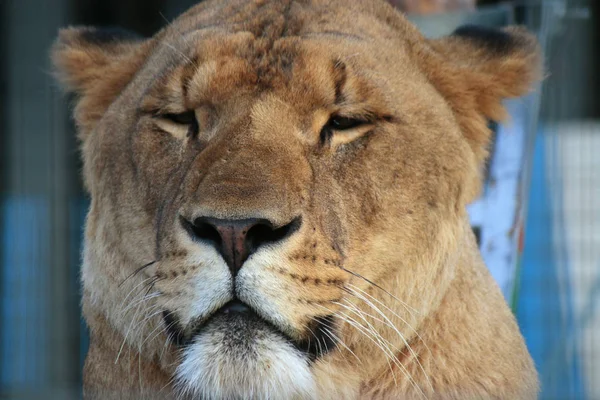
point(113, 369)
point(468, 347)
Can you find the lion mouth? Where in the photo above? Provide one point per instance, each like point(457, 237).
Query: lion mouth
point(240, 324)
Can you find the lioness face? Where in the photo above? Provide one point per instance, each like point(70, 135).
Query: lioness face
point(263, 176)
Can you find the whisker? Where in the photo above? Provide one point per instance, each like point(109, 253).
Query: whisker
point(153, 312)
point(374, 337)
point(391, 324)
point(392, 355)
point(168, 337)
point(142, 283)
point(164, 329)
point(379, 287)
point(320, 350)
point(165, 345)
point(165, 18)
point(179, 52)
point(147, 283)
point(329, 334)
point(151, 336)
point(147, 318)
point(339, 340)
point(137, 271)
point(388, 345)
point(370, 334)
point(127, 333)
point(139, 301)
point(152, 283)
point(170, 24)
point(395, 314)
point(318, 342)
point(363, 312)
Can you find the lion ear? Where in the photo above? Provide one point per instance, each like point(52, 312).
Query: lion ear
point(96, 64)
point(493, 64)
point(475, 68)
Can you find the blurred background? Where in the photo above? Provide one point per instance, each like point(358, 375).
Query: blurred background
point(537, 222)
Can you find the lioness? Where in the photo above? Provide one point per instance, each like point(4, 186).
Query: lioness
point(278, 194)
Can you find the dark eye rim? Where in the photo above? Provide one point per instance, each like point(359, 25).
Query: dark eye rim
point(184, 118)
point(339, 123)
point(342, 123)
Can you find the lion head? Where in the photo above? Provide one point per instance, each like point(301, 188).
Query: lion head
point(278, 196)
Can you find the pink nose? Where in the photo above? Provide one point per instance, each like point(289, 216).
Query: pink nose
point(237, 239)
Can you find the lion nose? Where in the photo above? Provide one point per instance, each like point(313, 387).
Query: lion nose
point(237, 239)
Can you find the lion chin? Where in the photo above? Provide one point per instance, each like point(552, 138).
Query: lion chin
point(239, 356)
point(278, 205)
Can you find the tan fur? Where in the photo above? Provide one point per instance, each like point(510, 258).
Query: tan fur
point(386, 202)
point(433, 6)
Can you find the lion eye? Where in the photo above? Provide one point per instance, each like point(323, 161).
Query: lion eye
point(338, 123)
point(348, 127)
point(185, 118)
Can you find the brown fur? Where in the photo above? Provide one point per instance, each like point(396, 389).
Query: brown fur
point(433, 6)
point(386, 202)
